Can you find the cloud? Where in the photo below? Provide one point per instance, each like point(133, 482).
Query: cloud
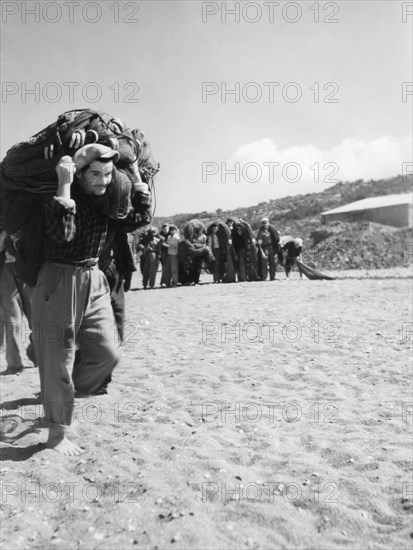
point(260, 171)
point(355, 159)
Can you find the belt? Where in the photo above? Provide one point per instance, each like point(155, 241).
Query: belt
point(90, 262)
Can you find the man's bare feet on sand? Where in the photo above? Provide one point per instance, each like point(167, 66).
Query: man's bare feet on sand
point(59, 442)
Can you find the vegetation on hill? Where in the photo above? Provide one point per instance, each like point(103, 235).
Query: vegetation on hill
point(336, 245)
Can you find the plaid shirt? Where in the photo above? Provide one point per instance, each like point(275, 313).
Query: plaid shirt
point(77, 230)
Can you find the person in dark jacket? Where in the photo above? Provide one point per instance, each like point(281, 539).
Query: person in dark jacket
point(240, 248)
point(266, 251)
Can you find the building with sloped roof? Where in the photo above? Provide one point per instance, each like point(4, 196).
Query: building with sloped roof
point(395, 210)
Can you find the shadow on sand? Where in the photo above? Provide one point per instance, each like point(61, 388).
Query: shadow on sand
point(14, 427)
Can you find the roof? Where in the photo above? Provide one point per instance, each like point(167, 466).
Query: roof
point(373, 202)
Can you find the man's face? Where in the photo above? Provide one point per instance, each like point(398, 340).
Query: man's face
point(96, 178)
point(264, 225)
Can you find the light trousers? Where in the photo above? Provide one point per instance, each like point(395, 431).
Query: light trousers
point(14, 302)
point(71, 306)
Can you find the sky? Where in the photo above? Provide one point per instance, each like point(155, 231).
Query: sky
point(242, 102)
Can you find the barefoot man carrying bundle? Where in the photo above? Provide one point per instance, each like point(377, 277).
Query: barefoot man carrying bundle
point(72, 297)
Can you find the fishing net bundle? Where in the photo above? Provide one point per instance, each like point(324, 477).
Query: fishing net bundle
point(28, 176)
point(250, 248)
point(191, 253)
point(192, 228)
point(224, 239)
point(223, 233)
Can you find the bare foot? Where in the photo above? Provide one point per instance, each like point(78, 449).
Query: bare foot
point(59, 442)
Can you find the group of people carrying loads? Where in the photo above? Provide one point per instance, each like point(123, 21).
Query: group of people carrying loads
point(230, 251)
point(69, 198)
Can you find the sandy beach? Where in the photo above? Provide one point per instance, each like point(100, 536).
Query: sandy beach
point(265, 415)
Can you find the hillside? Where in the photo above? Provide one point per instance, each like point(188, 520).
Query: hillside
point(337, 245)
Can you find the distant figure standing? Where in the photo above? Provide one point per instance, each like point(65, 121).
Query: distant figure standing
point(163, 235)
point(199, 239)
point(217, 252)
point(172, 261)
point(290, 250)
point(240, 249)
point(151, 255)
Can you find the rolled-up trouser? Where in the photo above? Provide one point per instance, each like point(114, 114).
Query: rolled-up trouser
point(70, 305)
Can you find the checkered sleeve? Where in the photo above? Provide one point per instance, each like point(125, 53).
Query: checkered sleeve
point(60, 219)
point(140, 215)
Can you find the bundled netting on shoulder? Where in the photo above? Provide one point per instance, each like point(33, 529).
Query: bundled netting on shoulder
point(247, 233)
point(192, 228)
point(191, 257)
point(223, 233)
point(28, 172)
point(251, 251)
point(31, 165)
